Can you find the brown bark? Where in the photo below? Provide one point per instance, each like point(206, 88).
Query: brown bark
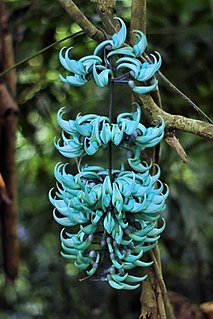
point(106, 10)
point(8, 125)
point(138, 17)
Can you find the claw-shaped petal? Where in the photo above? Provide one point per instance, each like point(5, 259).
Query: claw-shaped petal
point(105, 133)
point(140, 43)
point(102, 78)
point(109, 223)
point(119, 38)
point(127, 51)
point(71, 65)
point(117, 199)
point(142, 89)
point(74, 80)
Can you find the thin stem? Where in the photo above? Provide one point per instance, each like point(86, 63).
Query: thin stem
point(110, 118)
point(186, 98)
point(176, 90)
point(76, 34)
point(111, 99)
point(121, 77)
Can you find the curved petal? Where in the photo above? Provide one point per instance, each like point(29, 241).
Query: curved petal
point(102, 78)
point(140, 43)
point(127, 51)
point(109, 223)
point(102, 45)
point(145, 89)
point(119, 38)
point(74, 80)
point(74, 66)
point(89, 61)
point(68, 126)
point(117, 134)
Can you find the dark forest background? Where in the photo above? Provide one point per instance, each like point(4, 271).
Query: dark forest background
point(47, 285)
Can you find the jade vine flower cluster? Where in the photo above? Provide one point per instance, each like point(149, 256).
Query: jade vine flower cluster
point(89, 132)
point(102, 68)
point(110, 216)
point(116, 219)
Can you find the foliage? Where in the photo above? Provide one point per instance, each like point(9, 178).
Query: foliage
point(47, 286)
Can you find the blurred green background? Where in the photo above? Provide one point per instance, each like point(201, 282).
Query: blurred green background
point(47, 286)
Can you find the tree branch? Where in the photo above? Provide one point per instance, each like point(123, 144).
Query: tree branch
point(174, 122)
point(138, 22)
point(77, 16)
point(154, 299)
point(176, 90)
point(186, 98)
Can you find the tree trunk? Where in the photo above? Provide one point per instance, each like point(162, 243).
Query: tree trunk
point(8, 125)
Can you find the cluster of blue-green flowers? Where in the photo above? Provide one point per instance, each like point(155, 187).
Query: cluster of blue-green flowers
point(110, 215)
point(127, 67)
point(89, 132)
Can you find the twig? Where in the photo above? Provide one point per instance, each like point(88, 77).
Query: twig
point(186, 98)
point(176, 90)
point(173, 142)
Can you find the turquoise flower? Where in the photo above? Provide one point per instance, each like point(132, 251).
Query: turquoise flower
point(140, 43)
point(136, 51)
point(80, 68)
point(140, 72)
point(101, 76)
point(117, 41)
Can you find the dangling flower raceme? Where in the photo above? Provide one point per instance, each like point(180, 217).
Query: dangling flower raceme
point(110, 216)
point(89, 132)
point(105, 70)
point(116, 218)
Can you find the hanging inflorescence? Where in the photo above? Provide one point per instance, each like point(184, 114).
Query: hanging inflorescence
point(113, 214)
